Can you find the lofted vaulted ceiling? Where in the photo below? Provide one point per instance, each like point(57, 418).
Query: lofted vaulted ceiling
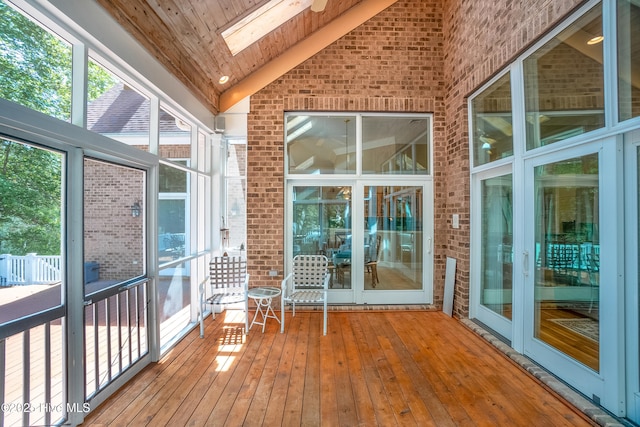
point(186, 37)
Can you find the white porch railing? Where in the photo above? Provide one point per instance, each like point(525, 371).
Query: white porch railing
point(31, 269)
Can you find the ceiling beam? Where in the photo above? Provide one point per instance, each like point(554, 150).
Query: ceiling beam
point(303, 50)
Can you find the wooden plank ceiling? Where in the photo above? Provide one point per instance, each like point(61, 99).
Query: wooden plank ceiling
point(185, 36)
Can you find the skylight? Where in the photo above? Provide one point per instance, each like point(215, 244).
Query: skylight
point(262, 21)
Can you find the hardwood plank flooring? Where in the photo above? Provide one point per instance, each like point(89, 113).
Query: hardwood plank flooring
point(384, 368)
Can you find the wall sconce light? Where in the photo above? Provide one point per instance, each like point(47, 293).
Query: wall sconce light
point(136, 209)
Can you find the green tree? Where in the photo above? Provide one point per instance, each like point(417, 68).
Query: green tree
point(36, 65)
point(35, 71)
point(30, 190)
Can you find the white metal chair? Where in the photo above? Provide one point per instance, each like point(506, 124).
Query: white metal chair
point(228, 284)
point(306, 284)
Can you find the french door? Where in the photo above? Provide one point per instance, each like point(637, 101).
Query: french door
point(376, 235)
point(572, 231)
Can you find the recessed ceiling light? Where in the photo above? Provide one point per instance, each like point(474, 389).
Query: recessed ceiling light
point(223, 79)
point(595, 40)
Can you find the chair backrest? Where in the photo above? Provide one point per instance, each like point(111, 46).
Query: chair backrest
point(310, 271)
point(373, 253)
point(227, 272)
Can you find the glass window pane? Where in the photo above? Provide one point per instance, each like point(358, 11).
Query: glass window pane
point(237, 158)
point(564, 84)
point(322, 225)
point(497, 238)
point(629, 59)
point(393, 238)
point(115, 109)
point(175, 136)
point(567, 276)
point(174, 300)
point(35, 66)
point(236, 220)
point(395, 145)
point(173, 180)
point(202, 237)
point(203, 162)
point(492, 125)
point(172, 216)
point(173, 213)
point(321, 144)
point(31, 193)
point(114, 224)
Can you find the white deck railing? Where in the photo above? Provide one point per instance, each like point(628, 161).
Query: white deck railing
point(31, 269)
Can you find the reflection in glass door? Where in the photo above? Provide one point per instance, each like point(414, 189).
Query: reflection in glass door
point(567, 257)
point(374, 242)
point(322, 225)
point(496, 254)
point(393, 238)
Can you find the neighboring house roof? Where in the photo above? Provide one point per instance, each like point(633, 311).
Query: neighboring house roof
point(119, 110)
point(122, 110)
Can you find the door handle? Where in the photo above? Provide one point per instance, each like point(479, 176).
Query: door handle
point(525, 262)
point(429, 245)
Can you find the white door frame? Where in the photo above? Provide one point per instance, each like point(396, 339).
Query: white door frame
point(495, 321)
point(375, 296)
point(357, 294)
point(631, 297)
point(607, 385)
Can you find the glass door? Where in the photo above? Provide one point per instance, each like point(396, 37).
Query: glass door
point(570, 248)
point(492, 250)
point(394, 266)
point(632, 249)
point(321, 223)
point(378, 244)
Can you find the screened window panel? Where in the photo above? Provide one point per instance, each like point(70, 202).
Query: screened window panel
point(115, 109)
point(31, 233)
point(175, 136)
point(114, 223)
point(35, 64)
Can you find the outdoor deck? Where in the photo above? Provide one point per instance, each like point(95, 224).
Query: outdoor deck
point(393, 367)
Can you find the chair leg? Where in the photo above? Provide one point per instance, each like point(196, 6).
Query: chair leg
point(374, 275)
point(201, 320)
point(282, 315)
point(324, 326)
point(246, 316)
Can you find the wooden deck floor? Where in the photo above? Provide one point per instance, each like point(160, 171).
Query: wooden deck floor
point(374, 368)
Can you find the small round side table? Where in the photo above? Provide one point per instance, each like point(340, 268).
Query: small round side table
point(263, 297)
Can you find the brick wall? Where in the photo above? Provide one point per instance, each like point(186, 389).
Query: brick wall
point(481, 38)
point(416, 56)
